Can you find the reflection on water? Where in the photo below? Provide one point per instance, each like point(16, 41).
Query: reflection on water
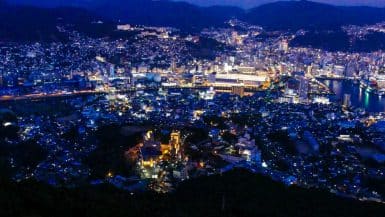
point(359, 96)
point(366, 99)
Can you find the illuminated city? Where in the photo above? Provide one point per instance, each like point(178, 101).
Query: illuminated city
point(146, 109)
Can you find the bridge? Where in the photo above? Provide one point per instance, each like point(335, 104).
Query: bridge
point(127, 90)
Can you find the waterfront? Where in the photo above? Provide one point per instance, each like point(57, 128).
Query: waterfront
point(359, 97)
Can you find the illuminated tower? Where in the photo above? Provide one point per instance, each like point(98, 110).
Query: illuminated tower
point(175, 141)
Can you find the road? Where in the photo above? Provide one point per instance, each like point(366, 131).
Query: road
point(6, 98)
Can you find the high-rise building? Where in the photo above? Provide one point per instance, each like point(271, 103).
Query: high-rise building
point(211, 77)
point(175, 139)
point(1, 81)
point(173, 66)
point(284, 46)
point(112, 70)
point(309, 70)
point(303, 88)
point(347, 101)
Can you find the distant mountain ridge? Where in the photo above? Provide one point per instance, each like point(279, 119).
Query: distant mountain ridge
point(29, 23)
point(148, 12)
point(280, 15)
point(306, 14)
point(167, 13)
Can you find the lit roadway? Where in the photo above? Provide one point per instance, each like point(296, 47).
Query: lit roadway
point(88, 92)
point(48, 95)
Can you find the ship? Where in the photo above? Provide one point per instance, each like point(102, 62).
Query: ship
point(364, 83)
point(368, 84)
point(374, 84)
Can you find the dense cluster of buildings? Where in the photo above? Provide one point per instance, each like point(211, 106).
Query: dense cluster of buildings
point(257, 105)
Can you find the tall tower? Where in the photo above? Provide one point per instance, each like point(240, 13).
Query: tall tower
point(347, 102)
point(175, 141)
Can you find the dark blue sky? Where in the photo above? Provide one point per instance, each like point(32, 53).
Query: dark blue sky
point(251, 3)
point(240, 3)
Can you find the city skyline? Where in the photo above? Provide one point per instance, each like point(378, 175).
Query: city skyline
point(162, 108)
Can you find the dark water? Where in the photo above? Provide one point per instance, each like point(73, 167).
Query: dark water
point(359, 97)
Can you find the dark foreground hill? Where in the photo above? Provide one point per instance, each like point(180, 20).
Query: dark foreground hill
point(237, 193)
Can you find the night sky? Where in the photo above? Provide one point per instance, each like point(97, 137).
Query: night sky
point(252, 3)
point(239, 3)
